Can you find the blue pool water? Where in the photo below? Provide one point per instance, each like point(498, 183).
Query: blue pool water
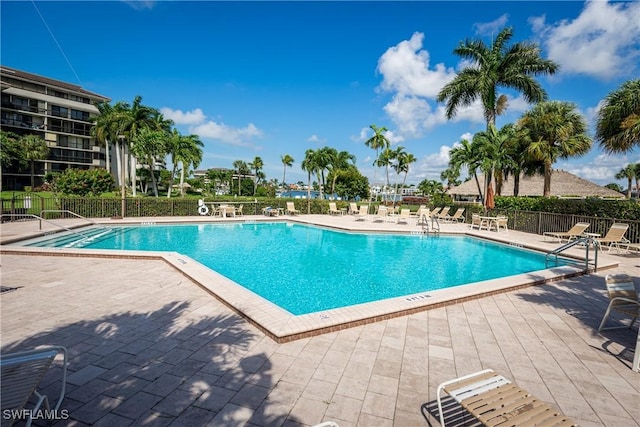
point(305, 269)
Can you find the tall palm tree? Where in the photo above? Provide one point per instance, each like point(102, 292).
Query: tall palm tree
point(190, 154)
point(495, 153)
point(402, 163)
point(385, 159)
point(628, 172)
point(241, 168)
point(498, 65)
point(521, 161)
point(309, 165)
point(618, 123)
point(322, 161)
point(554, 130)
point(466, 154)
point(149, 145)
point(450, 176)
point(637, 167)
point(256, 166)
point(287, 161)
point(34, 148)
point(377, 141)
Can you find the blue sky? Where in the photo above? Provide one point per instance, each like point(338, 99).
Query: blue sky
point(273, 78)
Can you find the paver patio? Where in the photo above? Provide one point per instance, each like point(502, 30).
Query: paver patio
point(149, 347)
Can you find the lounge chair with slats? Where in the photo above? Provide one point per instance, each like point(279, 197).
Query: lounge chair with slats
point(615, 237)
point(573, 233)
point(362, 213)
point(20, 376)
point(333, 209)
point(291, 209)
point(495, 401)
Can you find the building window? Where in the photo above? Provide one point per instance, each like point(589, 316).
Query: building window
point(79, 115)
point(59, 111)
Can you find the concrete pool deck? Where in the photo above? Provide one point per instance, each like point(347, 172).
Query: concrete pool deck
point(149, 346)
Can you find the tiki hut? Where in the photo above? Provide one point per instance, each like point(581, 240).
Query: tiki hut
point(563, 184)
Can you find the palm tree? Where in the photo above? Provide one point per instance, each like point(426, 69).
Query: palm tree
point(466, 154)
point(340, 161)
point(637, 180)
point(149, 145)
point(377, 141)
point(495, 154)
point(287, 160)
point(322, 161)
point(402, 163)
point(256, 166)
point(241, 168)
point(450, 176)
point(309, 165)
point(628, 172)
point(498, 65)
point(34, 148)
point(618, 123)
point(190, 154)
point(554, 130)
point(385, 159)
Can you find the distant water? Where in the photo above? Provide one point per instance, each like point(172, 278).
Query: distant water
point(302, 194)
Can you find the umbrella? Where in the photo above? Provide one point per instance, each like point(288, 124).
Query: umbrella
point(490, 202)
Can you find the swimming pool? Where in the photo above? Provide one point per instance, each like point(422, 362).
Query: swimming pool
point(305, 269)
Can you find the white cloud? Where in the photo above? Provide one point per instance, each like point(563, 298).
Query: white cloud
point(405, 69)
point(316, 139)
point(491, 28)
point(604, 41)
point(227, 134)
point(362, 136)
point(179, 117)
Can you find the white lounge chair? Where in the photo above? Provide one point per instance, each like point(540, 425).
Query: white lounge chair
point(21, 374)
point(291, 209)
point(623, 298)
point(573, 233)
point(495, 401)
point(333, 209)
point(361, 215)
point(615, 237)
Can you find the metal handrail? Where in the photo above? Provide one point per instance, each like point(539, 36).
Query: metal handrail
point(587, 241)
point(69, 212)
point(45, 220)
point(435, 225)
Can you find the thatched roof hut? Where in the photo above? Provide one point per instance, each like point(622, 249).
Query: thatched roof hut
point(563, 184)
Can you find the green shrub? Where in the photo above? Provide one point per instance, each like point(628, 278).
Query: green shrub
point(619, 209)
point(81, 182)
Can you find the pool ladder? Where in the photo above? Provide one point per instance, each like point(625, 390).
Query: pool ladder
point(587, 242)
point(435, 225)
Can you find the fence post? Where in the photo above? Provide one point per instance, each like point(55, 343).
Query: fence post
point(539, 223)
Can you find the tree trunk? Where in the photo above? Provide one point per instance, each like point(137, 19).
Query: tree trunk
point(33, 178)
point(475, 175)
point(629, 188)
point(153, 176)
point(516, 184)
point(547, 180)
point(181, 180)
point(133, 175)
point(309, 193)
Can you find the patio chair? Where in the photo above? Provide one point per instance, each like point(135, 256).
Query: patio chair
point(435, 212)
point(457, 216)
point(239, 211)
point(382, 214)
point(20, 376)
point(501, 223)
point(615, 237)
point(291, 209)
point(404, 216)
point(623, 298)
point(361, 215)
point(476, 221)
point(443, 213)
point(333, 209)
point(353, 208)
point(573, 233)
point(495, 401)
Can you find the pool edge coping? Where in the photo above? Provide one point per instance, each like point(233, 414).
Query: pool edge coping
point(282, 326)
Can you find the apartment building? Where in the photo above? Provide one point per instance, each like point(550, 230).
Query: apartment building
point(57, 111)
